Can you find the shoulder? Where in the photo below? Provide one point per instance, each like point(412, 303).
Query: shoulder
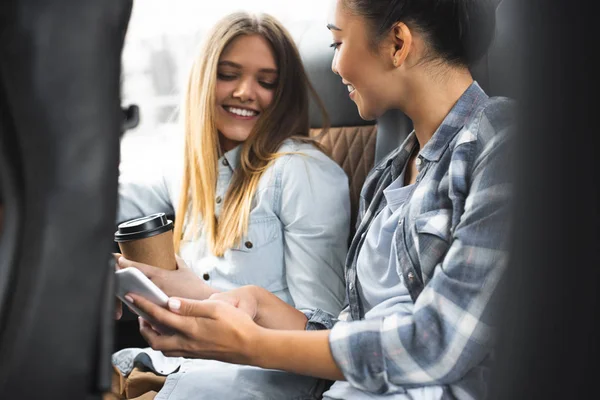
point(493, 121)
point(299, 157)
point(487, 132)
point(294, 149)
point(485, 143)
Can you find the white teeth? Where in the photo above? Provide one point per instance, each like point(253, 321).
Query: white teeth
point(350, 88)
point(241, 112)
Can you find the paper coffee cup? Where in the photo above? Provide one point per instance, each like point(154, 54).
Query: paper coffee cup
point(148, 240)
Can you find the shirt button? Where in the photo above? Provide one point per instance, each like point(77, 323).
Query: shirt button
point(411, 276)
point(418, 161)
point(351, 286)
point(219, 199)
point(206, 276)
point(225, 162)
point(248, 244)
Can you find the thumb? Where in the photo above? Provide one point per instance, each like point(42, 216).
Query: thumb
point(148, 270)
point(193, 308)
point(116, 256)
point(123, 262)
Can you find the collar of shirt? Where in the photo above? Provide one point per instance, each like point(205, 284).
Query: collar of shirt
point(450, 126)
point(232, 157)
point(462, 111)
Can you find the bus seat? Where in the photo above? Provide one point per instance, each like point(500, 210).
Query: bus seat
point(498, 70)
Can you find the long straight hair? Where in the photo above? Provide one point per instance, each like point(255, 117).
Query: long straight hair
point(286, 117)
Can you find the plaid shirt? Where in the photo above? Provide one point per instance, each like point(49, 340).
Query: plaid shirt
point(451, 249)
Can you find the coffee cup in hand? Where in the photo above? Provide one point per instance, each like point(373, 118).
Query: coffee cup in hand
point(148, 240)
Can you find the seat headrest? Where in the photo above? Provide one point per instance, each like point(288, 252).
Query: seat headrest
point(317, 56)
point(498, 71)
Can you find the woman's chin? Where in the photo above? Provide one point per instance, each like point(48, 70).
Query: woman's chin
point(367, 115)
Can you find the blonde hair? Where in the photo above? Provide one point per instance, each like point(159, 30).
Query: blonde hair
point(286, 117)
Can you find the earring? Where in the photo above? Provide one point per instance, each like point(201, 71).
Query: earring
point(395, 62)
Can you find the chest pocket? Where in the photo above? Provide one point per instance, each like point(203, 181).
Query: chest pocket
point(433, 238)
point(258, 257)
point(260, 233)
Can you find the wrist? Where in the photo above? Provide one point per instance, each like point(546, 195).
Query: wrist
point(256, 351)
point(274, 313)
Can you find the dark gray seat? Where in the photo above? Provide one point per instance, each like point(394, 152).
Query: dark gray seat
point(59, 135)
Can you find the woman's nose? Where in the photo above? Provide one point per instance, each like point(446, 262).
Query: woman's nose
point(244, 91)
point(334, 64)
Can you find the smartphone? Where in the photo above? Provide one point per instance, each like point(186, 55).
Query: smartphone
point(132, 280)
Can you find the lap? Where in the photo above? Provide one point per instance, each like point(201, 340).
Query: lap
point(205, 379)
point(208, 379)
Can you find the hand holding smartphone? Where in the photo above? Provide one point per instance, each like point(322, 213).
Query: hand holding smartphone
point(132, 280)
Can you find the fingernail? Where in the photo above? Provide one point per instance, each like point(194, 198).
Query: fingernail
point(121, 260)
point(129, 299)
point(174, 304)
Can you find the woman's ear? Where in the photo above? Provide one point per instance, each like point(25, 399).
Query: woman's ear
point(401, 37)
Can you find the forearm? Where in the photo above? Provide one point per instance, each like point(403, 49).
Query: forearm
point(305, 353)
point(274, 313)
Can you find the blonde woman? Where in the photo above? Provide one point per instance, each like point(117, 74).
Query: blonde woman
point(256, 202)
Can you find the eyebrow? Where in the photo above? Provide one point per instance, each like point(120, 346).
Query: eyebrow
point(333, 27)
point(238, 66)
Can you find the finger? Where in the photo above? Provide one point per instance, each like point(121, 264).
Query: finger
point(149, 333)
point(157, 341)
point(118, 309)
point(116, 257)
point(195, 308)
point(148, 325)
point(148, 270)
point(159, 314)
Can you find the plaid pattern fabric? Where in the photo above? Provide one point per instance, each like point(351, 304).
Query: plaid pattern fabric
point(451, 248)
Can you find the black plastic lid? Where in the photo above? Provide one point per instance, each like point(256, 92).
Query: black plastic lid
point(144, 227)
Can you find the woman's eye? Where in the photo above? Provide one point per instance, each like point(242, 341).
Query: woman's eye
point(268, 85)
point(335, 45)
point(226, 77)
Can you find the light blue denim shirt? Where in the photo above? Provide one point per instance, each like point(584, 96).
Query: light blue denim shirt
point(433, 337)
point(298, 229)
point(295, 247)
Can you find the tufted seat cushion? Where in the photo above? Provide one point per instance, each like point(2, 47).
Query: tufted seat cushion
point(353, 148)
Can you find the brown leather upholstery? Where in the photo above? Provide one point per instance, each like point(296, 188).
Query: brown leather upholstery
point(353, 148)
